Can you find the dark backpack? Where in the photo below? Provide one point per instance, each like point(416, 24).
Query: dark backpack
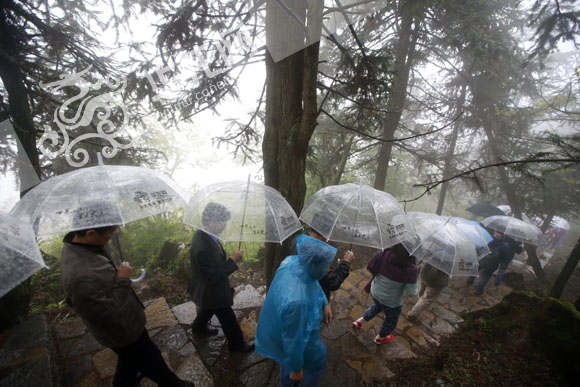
point(490, 262)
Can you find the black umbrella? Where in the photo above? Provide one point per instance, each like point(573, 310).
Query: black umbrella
point(485, 210)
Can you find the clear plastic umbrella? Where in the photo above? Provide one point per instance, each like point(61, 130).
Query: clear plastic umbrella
point(70, 201)
point(479, 236)
point(515, 228)
point(257, 213)
point(19, 254)
point(357, 214)
point(560, 223)
point(442, 244)
point(508, 211)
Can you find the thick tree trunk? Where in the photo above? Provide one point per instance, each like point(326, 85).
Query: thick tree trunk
point(342, 163)
point(451, 151)
point(398, 96)
point(291, 112)
point(566, 272)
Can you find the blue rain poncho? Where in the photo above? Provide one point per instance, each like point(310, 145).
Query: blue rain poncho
point(289, 325)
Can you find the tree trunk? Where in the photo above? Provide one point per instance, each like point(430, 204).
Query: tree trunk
point(398, 96)
point(512, 200)
point(449, 156)
point(342, 164)
point(566, 272)
point(291, 111)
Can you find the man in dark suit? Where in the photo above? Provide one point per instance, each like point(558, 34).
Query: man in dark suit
point(210, 285)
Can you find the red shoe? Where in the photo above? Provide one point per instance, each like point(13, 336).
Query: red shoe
point(356, 325)
point(381, 340)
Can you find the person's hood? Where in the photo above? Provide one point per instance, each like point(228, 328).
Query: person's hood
point(314, 256)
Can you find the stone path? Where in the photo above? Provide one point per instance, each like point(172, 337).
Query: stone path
point(353, 357)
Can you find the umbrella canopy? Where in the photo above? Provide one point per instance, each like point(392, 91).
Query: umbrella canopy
point(479, 235)
point(507, 210)
point(442, 244)
point(19, 254)
point(484, 209)
point(357, 214)
point(98, 197)
point(252, 212)
point(515, 228)
point(560, 223)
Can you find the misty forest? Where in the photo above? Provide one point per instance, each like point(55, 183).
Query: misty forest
point(449, 111)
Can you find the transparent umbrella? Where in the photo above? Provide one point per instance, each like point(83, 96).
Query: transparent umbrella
point(507, 210)
point(515, 228)
point(19, 254)
point(442, 244)
point(256, 212)
point(479, 235)
point(100, 196)
point(357, 214)
point(560, 223)
point(67, 202)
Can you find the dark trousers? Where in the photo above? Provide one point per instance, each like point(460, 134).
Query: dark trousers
point(227, 319)
point(143, 355)
point(391, 316)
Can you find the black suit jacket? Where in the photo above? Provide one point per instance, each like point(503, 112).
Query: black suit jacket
point(210, 287)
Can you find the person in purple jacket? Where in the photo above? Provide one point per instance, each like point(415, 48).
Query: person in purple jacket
point(394, 273)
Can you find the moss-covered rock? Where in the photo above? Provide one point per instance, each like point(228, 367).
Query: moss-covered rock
point(524, 320)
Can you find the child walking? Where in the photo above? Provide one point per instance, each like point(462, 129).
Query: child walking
point(394, 273)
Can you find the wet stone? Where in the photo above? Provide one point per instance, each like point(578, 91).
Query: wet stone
point(417, 335)
point(399, 348)
point(185, 313)
point(171, 339)
point(71, 328)
point(443, 298)
point(334, 331)
point(75, 369)
point(457, 306)
point(274, 380)
point(248, 297)
point(105, 362)
point(193, 369)
point(31, 333)
point(34, 373)
point(245, 360)
point(159, 315)
point(257, 375)
point(249, 325)
point(445, 314)
point(355, 365)
point(85, 344)
point(441, 327)
point(367, 340)
point(208, 347)
point(345, 374)
point(89, 380)
point(187, 350)
point(375, 371)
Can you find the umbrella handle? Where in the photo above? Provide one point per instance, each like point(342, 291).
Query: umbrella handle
point(140, 278)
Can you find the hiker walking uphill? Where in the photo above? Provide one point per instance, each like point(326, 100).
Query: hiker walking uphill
point(394, 273)
point(289, 325)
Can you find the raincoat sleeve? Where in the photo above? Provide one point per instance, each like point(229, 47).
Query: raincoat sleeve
point(294, 335)
point(212, 269)
point(334, 278)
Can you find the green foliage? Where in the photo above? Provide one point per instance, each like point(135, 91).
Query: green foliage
point(142, 240)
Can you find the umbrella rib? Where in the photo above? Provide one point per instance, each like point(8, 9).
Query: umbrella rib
point(342, 209)
point(39, 208)
point(276, 223)
point(115, 192)
point(378, 224)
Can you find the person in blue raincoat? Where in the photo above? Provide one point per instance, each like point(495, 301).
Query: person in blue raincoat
point(289, 325)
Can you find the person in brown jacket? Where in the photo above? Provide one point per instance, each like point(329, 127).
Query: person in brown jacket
point(101, 294)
